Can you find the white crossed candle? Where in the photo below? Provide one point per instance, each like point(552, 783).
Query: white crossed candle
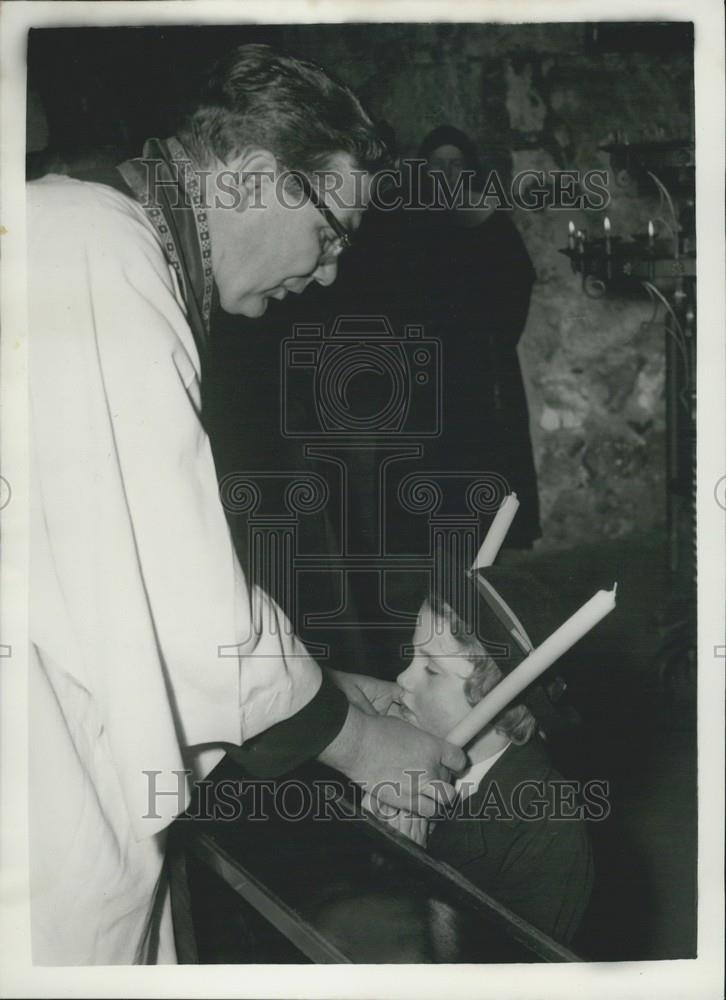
point(601, 604)
point(497, 533)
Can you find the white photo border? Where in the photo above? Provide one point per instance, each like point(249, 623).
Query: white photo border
point(700, 977)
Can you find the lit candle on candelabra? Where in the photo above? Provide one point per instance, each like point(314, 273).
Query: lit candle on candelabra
point(606, 227)
point(581, 241)
point(571, 237)
point(651, 234)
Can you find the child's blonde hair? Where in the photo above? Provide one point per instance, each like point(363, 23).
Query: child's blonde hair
point(515, 722)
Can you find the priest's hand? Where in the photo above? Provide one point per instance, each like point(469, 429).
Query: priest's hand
point(395, 762)
point(370, 695)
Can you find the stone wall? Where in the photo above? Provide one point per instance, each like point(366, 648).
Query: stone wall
point(533, 97)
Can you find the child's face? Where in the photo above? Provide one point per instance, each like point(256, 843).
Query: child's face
point(433, 683)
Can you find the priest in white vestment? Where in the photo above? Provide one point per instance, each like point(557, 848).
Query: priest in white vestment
point(135, 585)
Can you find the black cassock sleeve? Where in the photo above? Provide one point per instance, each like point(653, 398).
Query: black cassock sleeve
point(303, 736)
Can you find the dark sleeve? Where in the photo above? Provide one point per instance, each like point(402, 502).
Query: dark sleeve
point(303, 736)
point(540, 868)
point(547, 876)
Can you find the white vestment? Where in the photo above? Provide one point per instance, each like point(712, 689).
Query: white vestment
point(134, 581)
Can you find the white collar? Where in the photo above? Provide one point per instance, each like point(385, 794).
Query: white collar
point(470, 780)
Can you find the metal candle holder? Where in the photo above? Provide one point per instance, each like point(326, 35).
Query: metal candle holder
point(662, 261)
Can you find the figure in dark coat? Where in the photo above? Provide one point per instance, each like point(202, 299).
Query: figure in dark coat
point(475, 281)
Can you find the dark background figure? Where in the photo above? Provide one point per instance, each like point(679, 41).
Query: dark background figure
point(477, 278)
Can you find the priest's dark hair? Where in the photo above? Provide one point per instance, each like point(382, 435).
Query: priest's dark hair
point(256, 96)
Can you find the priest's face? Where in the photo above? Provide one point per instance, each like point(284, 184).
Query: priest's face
point(433, 683)
point(275, 241)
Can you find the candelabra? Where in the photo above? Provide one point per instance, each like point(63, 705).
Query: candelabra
point(661, 261)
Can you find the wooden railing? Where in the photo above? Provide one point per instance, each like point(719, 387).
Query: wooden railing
point(348, 889)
